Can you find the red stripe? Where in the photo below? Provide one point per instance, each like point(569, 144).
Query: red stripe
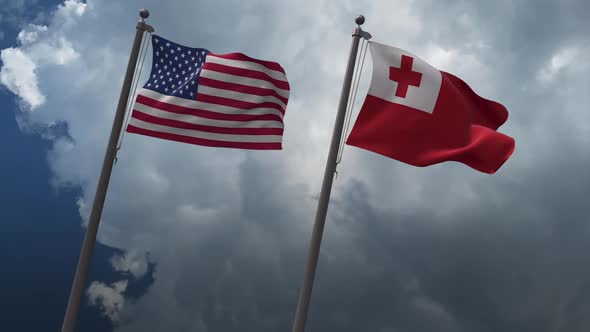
point(245, 73)
point(205, 142)
point(237, 103)
point(243, 57)
point(241, 88)
point(204, 113)
point(209, 129)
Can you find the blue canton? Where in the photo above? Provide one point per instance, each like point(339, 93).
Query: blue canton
point(175, 68)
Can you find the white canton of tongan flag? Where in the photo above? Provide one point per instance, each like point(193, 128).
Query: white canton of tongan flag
point(218, 100)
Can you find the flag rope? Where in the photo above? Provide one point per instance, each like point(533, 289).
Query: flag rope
point(137, 75)
point(355, 85)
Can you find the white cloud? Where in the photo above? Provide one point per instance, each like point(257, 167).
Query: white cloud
point(30, 34)
point(71, 8)
point(39, 47)
point(558, 62)
point(131, 262)
point(18, 75)
point(109, 299)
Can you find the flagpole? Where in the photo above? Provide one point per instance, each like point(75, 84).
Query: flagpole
point(81, 276)
point(322, 210)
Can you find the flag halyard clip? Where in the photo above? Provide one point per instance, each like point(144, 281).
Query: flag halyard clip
point(365, 35)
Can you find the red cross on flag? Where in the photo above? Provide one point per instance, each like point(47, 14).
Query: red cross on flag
point(421, 116)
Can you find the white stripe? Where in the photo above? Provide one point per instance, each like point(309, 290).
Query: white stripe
point(206, 135)
point(244, 81)
point(193, 104)
point(240, 96)
point(204, 121)
point(277, 75)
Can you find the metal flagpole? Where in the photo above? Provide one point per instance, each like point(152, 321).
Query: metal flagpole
point(322, 210)
point(77, 291)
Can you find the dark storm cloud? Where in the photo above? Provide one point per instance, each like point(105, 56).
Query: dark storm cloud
point(519, 38)
point(240, 272)
point(514, 266)
point(532, 29)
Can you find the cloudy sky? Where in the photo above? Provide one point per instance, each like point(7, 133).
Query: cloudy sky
point(201, 239)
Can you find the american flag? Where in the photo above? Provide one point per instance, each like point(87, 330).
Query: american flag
point(220, 100)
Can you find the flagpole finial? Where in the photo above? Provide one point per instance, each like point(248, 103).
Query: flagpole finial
point(144, 13)
point(360, 20)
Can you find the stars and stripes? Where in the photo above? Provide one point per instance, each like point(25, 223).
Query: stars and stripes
point(220, 100)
